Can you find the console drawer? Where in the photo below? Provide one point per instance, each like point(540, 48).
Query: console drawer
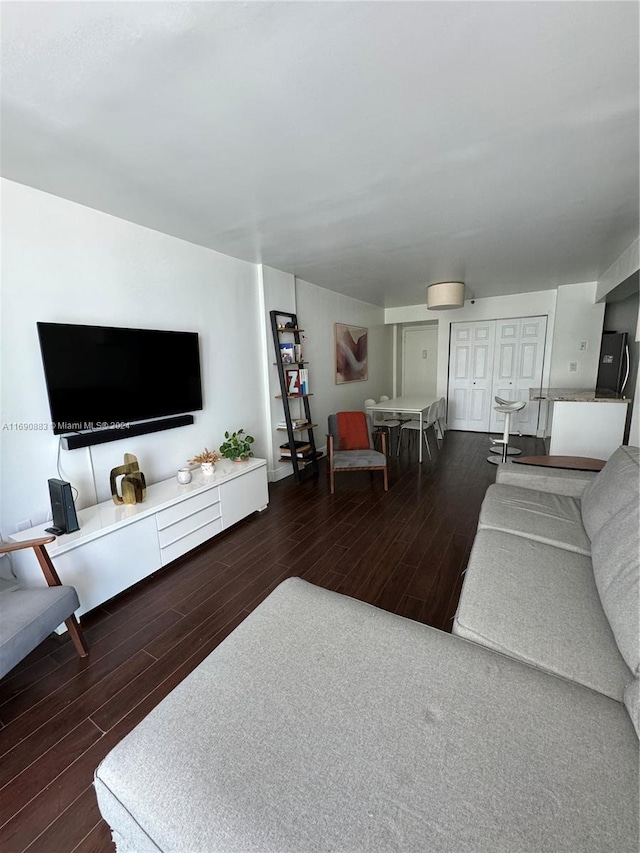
point(191, 540)
point(188, 525)
point(187, 507)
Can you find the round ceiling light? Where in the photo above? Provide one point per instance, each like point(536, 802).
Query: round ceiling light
point(444, 295)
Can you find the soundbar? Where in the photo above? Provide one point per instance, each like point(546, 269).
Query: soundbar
point(75, 440)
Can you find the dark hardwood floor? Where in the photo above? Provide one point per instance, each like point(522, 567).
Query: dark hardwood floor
point(403, 550)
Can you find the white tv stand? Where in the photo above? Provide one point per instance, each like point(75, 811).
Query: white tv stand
point(117, 546)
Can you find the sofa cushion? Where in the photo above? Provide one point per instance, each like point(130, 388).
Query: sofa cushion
point(557, 480)
point(616, 567)
point(324, 724)
point(546, 517)
point(540, 605)
point(632, 702)
point(610, 490)
point(359, 459)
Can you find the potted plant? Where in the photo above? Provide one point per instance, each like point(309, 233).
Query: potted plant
point(237, 446)
point(206, 460)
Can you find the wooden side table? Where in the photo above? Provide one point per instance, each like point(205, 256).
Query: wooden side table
point(571, 463)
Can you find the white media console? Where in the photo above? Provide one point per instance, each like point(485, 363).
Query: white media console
point(117, 546)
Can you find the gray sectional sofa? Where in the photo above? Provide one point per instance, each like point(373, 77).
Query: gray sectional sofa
point(324, 724)
point(553, 578)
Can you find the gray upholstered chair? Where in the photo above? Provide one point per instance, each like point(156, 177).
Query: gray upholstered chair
point(29, 614)
point(367, 459)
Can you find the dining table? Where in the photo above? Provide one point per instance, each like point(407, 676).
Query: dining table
point(411, 405)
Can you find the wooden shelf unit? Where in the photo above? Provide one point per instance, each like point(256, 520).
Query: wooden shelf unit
point(310, 461)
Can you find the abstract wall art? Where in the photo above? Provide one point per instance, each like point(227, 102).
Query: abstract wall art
point(350, 353)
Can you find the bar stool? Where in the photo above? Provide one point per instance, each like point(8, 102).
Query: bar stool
point(507, 409)
point(511, 451)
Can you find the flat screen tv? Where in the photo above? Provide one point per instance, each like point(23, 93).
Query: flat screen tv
point(99, 377)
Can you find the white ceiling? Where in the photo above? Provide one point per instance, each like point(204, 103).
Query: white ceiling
point(370, 148)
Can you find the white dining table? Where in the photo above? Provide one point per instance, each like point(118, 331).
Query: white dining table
point(410, 405)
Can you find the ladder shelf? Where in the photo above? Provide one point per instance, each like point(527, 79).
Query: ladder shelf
point(309, 460)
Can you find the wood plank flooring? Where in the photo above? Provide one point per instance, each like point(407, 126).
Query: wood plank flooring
point(404, 550)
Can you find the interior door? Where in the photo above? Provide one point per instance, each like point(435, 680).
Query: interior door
point(517, 367)
point(471, 359)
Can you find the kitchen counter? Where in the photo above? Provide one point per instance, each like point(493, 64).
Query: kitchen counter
point(575, 427)
point(576, 395)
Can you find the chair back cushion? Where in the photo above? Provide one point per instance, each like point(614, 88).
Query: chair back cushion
point(611, 489)
point(353, 431)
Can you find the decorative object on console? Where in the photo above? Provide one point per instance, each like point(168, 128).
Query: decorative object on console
point(206, 460)
point(237, 446)
point(444, 295)
point(351, 362)
point(184, 476)
point(133, 485)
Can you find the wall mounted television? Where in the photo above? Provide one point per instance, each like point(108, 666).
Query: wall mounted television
point(100, 377)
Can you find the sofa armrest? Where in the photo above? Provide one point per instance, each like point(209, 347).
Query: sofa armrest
point(558, 481)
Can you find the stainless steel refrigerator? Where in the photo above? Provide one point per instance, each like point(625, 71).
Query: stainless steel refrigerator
point(613, 367)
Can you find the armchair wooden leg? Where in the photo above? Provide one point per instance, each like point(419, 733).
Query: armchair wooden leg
point(74, 629)
point(331, 480)
point(385, 474)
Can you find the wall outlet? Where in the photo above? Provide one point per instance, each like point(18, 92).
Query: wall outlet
point(23, 525)
point(424, 353)
point(584, 346)
point(573, 367)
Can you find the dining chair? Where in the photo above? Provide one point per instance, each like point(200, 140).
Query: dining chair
point(441, 416)
point(389, 420)
point(429, 417)
point(379, 425)
point(350, 446)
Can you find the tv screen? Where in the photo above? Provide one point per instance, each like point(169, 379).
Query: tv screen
point(98, 377)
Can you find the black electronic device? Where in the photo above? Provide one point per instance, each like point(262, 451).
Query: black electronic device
point(63, 508)
point(103, 377)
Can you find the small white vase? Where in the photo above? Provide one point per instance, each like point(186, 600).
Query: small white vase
point(184, 476)
point(207, 468)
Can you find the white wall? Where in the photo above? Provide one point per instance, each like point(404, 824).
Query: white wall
point(63, 262)
point(578, 318)
point(620, 270)
point(318, 309)
point(538, 303)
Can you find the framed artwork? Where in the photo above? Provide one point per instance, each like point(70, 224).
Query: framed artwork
point(350, 353)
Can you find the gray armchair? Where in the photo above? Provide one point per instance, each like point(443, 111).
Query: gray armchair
point(29, 614)
point(365, 459)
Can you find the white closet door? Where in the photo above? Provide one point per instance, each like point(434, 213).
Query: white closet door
point(470, 375)
point(517, 367)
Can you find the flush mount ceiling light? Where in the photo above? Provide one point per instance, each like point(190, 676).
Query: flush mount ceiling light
point(445, 294)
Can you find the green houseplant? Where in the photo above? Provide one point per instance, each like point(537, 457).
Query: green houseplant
point(237, 445)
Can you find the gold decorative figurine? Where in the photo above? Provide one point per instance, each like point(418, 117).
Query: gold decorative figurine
point(133, 485)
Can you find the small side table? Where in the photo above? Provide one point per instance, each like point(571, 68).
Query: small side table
point(571, 463)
